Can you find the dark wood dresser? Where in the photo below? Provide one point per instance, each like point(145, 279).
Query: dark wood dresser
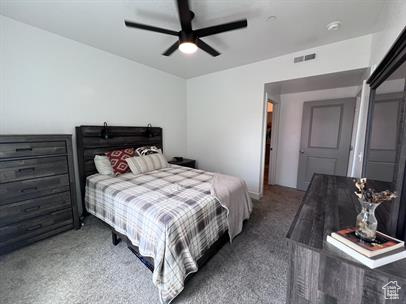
point(37, 189)
point(318, 272)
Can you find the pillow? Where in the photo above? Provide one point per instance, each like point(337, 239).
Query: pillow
point(146, 163)
point(146, 150)
point(103, 165)
point(117, 159)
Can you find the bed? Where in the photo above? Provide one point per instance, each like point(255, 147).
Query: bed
point(170, 217)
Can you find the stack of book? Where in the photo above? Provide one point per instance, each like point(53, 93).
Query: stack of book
point(383, 250)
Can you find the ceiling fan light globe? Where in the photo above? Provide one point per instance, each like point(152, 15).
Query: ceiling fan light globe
point(187, 47)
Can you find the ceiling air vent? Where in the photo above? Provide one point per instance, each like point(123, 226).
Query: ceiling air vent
point(310, 57)
point(304, 58)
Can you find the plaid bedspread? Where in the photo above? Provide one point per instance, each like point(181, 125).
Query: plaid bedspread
point(168, 214)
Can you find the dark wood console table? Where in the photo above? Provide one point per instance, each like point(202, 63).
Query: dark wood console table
point(321, 274)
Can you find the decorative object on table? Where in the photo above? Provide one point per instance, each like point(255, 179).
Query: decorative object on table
point(369, 199)
point(371, 262)
point(382, 244)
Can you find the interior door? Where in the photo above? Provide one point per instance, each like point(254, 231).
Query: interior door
point(326, 138)
point(383, 139)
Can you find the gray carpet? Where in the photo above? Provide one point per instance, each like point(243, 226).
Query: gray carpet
point(84, 267)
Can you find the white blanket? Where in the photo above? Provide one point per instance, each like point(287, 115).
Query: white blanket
point(232, 192)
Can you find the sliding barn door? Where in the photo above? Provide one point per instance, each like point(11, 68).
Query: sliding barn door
point(326, 138)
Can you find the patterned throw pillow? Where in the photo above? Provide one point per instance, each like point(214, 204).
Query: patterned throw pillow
point(146, 163)
point(117, 159)
point(146, 150)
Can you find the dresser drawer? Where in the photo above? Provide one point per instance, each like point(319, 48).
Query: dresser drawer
point(31, 149)
point(32, 168)
point(15, 244)
point(32, 188)
point(32, 227)
point(13, 213)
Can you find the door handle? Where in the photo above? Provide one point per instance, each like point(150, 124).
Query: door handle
point(301, 151)
point(59, 212)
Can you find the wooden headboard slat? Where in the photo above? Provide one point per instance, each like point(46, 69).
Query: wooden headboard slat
point(93, 131)
point(89, 143)
point(98, 142)
point(91, 151)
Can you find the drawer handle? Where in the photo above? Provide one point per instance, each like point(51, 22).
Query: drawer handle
point(35, 227)
point(29, 189)
point(23, 149)
point(26, 169)
point(27, 210)
point(58, 212)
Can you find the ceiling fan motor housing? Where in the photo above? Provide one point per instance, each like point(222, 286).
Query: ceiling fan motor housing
point(187, 37)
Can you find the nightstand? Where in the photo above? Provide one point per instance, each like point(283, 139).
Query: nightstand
point(191, 163)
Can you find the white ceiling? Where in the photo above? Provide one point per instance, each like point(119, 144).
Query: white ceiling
point(299, 25)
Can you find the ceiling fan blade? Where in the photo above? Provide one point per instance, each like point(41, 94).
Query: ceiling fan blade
point(185, 16)
point(171, 49)
point(150, 28)
point(207, 48)
point(221, 28)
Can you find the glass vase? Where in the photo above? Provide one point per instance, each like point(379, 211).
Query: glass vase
point(366, 221)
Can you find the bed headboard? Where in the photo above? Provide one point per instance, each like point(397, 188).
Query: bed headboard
point(90, 142)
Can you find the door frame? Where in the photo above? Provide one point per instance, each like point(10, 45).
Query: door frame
point(274, 142)
point(275, 134)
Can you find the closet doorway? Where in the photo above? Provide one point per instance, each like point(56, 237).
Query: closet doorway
point(271, 140)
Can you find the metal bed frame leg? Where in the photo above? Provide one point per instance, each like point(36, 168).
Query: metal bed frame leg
point(114, 237)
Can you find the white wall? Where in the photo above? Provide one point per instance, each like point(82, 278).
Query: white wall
point(290, 128)
point(50, 84)
point(225, 109)
point(392, 21)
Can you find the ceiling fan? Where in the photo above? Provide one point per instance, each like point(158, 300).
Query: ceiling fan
point(189, 39)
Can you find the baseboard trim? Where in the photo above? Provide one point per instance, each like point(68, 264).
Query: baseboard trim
point(255, 195)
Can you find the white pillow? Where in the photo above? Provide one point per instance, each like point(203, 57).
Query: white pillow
point(103, 165)
point(146, 163)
